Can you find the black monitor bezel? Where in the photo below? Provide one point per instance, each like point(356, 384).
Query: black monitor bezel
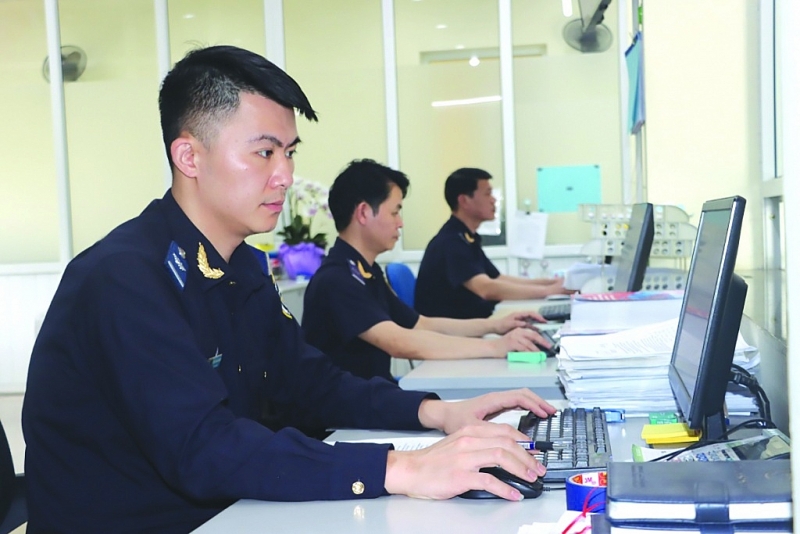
point(708, 397)
point(643, 222)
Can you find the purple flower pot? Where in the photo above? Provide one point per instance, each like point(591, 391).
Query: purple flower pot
point(302, 259)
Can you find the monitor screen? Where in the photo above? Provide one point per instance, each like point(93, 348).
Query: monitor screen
point(709, 320)
point(636, 249)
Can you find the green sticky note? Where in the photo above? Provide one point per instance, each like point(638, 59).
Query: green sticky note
point(526, 357)
point(663, 418)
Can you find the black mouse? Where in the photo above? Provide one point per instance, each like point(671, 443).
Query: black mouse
point(550, 351)
point(529, 490)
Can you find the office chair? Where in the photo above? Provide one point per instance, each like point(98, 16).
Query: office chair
point(13, 508)
point(403, 281)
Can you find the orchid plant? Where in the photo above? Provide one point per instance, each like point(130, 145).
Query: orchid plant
point(304, 200)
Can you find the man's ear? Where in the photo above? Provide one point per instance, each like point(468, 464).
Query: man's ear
point(184, 150)
point(362, 213)
point(463, 198)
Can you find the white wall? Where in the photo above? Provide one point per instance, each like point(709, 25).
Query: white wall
point(702, 97)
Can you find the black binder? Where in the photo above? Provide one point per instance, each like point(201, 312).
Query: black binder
point(748, 493)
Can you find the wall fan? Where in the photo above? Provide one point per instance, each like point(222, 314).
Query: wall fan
point(596, 39)
point(73, 63)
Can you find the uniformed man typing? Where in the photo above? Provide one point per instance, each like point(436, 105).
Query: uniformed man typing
point(165, 341)
point(455, 277)
point(352, 314)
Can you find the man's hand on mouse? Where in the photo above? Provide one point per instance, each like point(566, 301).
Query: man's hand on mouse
point(451, 466)
point(521, 340)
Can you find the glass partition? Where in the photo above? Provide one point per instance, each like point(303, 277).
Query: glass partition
point(341, 70)
point(448, 77)
point(198, 23)
point(28, 194)
point(113, 134)
point(566, 108)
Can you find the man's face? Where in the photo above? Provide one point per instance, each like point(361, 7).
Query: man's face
point(244, 174)
point(384, 226)
point(481, 205)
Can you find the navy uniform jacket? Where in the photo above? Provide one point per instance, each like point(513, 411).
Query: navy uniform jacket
point(345, 298)
point(148, 378)
point(451, 258)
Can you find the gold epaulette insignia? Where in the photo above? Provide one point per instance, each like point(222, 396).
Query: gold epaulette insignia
point(469, 238)
point(202, 264)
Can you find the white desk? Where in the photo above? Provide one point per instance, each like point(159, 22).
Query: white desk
point(461, 379)
point(399, 514)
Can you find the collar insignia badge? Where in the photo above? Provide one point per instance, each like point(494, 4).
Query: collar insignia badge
point(355, 272)
point(202, 264)
point(216, 359)
point(175, 262)
point(364, 273)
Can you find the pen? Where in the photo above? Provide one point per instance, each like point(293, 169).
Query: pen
point(541, 446)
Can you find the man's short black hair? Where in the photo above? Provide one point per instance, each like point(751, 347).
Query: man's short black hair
point(464, 181)
point(362, 181)
point(203, 89)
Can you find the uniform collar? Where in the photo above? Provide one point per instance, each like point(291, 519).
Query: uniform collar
point(457, 226)
point(343, 252)
point(204, 262)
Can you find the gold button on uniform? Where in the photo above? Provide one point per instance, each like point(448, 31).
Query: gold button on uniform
point(358, 487)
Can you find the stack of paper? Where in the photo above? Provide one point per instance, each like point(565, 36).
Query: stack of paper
point(629, 370)
point(623, 310)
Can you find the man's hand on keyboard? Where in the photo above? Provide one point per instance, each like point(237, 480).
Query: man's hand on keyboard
point(517, 320)
point(557, 287)
point(453, 416)
point(451, 466)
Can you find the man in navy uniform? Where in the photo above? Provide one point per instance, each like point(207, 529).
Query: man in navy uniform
point(351, 313)
point(165, 341)
point(455, 278)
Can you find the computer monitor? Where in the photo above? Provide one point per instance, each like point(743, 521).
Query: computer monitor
point(709, 320)
point(636, 249)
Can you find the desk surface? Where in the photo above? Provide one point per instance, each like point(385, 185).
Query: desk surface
point(399, 514)
point(461, 379)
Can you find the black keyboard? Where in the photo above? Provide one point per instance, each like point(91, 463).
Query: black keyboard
point(579, 437)
point(556, 312)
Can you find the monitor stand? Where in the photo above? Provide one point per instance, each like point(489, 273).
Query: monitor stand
point(714, 427)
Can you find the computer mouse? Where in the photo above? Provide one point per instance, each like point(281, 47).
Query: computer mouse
point(549, 351)
point(529, 490)
point(554, 347)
